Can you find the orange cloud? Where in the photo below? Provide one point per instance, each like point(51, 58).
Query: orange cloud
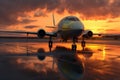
point(17, 14)
point(88, 9)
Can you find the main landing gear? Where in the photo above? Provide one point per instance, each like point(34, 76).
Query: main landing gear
point(83, 43)
point(74, 46)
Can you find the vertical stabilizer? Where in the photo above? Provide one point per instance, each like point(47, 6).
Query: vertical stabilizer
point(53, 19)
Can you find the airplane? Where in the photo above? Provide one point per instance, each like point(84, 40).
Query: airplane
point(69, 27)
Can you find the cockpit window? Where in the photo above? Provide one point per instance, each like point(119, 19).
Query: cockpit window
point(72, 19)
point(77, 19)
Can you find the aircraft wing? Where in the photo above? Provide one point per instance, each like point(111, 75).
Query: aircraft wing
point(99, 34)
point(107, 34)
point(27, 32)
point(22, 32)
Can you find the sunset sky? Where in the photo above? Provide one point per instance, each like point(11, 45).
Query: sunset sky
point(100, 16)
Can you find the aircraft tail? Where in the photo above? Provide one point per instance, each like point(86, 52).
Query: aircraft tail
point(53, 18)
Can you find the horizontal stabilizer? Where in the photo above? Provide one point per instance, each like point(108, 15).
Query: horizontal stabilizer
point(50, 26)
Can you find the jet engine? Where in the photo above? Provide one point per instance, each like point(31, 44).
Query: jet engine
point(41, 33)
point(87, 34)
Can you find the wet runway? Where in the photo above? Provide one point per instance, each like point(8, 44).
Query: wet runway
point(100, 61)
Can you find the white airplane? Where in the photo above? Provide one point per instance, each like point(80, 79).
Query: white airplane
point(69, 27)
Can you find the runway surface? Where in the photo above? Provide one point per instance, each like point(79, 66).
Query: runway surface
point(102, 63)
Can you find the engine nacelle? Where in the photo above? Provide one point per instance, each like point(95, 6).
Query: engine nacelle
point(87, 34)
point(41, 33)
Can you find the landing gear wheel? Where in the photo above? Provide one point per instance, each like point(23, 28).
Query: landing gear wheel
point(74, 47)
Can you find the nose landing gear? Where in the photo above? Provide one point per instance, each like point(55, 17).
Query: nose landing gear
point(74, 46)
point(83, 43)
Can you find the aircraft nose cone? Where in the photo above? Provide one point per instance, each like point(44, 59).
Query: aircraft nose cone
point(77, 25)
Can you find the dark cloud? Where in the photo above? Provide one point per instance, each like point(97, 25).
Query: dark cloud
point(25, 21)
point(30, 27)
point(10, 10)
point(99, 9)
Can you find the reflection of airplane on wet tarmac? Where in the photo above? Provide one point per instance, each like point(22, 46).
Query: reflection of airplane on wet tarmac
point(69, 27)
point(67, 61)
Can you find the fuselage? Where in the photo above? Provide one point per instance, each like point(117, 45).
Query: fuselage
point(70, 27)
